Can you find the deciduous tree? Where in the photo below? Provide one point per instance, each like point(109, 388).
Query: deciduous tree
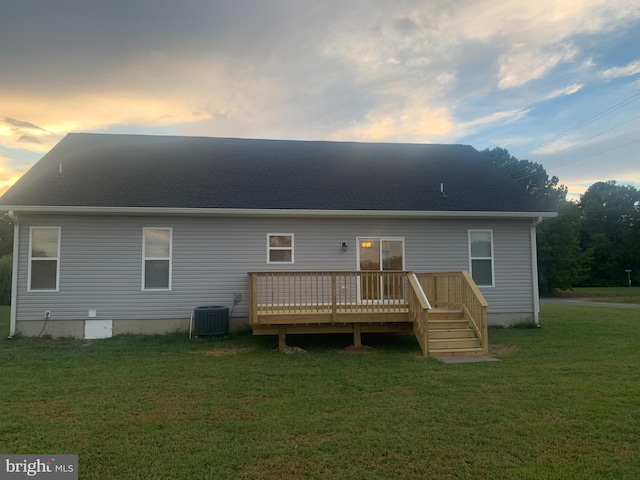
point(6, 234)
point(611, 232)
point(560, 260)
point(6, 266)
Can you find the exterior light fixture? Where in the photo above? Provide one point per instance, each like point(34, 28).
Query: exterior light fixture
point(344, 246)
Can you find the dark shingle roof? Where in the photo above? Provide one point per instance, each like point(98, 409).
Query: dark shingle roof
point(102, 170)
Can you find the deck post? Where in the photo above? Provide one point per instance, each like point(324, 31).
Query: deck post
point(357, 339)
point(464, 288)
point(334, 297)
point(282, 337)
point(425, 332)
point(253, 300)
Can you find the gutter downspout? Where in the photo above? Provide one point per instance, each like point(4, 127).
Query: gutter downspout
point(534, 271)
point(14, 273)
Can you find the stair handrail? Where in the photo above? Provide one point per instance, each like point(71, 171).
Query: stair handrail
point(422, 297)
point(419, 307)
point(475, 309)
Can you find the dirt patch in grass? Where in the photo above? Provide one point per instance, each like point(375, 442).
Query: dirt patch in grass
point(363, 349)
point(224, 352)
point(292, 350)
point(503, 349)
point(234, 414)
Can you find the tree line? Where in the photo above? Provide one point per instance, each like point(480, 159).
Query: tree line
point(6, 258)
point(592, 242)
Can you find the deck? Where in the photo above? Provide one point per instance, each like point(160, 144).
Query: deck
point(445, 311)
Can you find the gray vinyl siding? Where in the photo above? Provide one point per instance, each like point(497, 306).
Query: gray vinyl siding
point(101, 260)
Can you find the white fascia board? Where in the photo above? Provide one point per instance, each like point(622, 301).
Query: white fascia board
point(249, 212)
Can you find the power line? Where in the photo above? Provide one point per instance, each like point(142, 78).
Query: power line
point(592, 119)
point(526, 168)
point(601, 133)
point(599, 153)
point(583, 158)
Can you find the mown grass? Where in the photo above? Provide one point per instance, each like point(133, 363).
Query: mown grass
point(562, 403)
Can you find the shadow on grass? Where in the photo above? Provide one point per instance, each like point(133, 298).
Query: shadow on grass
point(340, 341)
point(515, 326)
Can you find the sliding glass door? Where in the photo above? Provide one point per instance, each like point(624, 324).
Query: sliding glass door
point(379, 255)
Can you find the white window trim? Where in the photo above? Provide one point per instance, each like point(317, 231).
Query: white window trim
point(145, 258)
point(31, 259)
point(492, 258)
point(270, 248)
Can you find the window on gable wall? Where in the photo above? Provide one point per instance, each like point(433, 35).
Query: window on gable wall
point(156, 253)
point(44, 258)
point(280, 248)
point(481, 257)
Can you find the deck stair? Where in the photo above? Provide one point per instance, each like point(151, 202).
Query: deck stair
point(450, 334)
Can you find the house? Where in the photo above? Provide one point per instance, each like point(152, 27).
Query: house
point(136, 231)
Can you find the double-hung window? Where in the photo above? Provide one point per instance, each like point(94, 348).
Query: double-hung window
point(481, 257)
point(44, 259)
point(156, 258)
point(280, 248)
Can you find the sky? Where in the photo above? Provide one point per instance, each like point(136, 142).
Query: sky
point(554, 82)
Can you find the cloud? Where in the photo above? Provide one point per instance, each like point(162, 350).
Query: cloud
point(559, 145)
point(521, 64)
point(21, 134)
point(371, 70)
point(28, 139)
point(537, 37)
point(9, 173)
point(504, 116)
point(560, 92)
point(20, 124)
point(632, 68)
point(411, 124)
point(158, 90)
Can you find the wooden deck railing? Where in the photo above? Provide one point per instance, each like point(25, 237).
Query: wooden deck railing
point(321, 292)
point(458, 290)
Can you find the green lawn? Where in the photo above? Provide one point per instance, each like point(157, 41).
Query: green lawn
point(563, 403)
